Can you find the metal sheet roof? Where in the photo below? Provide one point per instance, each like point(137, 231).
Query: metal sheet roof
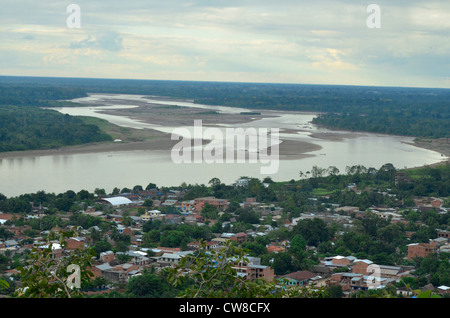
point(118, 200)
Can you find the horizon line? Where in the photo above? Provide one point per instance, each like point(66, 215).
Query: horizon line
point(223, 82)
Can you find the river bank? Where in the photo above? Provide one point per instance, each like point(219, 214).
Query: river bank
point(441, 145)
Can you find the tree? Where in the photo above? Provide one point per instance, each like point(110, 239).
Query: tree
point(214, 182)
point(150, 186)
point(99, 192)
point(148, 203)
point(283, 263)
point(333, 171)
point(387, 172)
point(335, 291)
point(209, 212)
point(313, 230)
point(151, 237)
point(317, 172)
point(102, 246)
point(137, 189)
point(83, 195)
point(173, 238)
point(3, 285)
point(298, 246)
point(46, 276)
point(149, 285)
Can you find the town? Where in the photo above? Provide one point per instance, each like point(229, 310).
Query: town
point(366, 233)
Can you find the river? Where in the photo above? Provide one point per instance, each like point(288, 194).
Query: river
point(62, 172)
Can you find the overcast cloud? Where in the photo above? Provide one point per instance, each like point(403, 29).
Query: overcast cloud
point(323, 42)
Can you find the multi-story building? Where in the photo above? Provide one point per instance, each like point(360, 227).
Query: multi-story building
point(421, 249)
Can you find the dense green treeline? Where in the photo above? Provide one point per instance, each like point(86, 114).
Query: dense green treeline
point(433, 123)
point(37, 95)
point(29, 128)
point(24, 125)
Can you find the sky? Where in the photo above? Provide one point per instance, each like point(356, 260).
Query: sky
point(284, 41)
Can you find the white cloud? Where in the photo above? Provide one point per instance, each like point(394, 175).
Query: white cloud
point(108, 40)
point(287, 40)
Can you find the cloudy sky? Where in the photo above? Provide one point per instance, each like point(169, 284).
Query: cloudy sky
point(288, 41)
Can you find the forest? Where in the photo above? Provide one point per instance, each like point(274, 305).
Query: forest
point(32, 128)
point(25, 125)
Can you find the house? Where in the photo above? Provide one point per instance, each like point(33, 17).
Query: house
point(170, 202)
point(391, 271)
point(337, 261)
point(443, 234)
point(195, 245)
point(11, 243)
point(150, 215)
point(220, 204)
point(243, 182)
point(443, 289)
point(436, 203)
point(117, 274)
point(107, 257)
point(219, 240)
point(187, 206)
point(161, 249)
point(356, 281)
point(124, 230)
point(172, 259)
point(5, 217)
point(299, 278)
point(193, 218)
point(421, 249)
point(75, 243)
point(252, 269)
point(98, 270)
point(341, 261)
point(360, 266)
point(239, 237)
point(272, 248)
point(250, 202)
point(139, 258)
point(260, 272)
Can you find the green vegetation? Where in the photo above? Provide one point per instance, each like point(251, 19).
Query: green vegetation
point(30, 128)
point(24, 125)
point(46, 276)
point(35, 94)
